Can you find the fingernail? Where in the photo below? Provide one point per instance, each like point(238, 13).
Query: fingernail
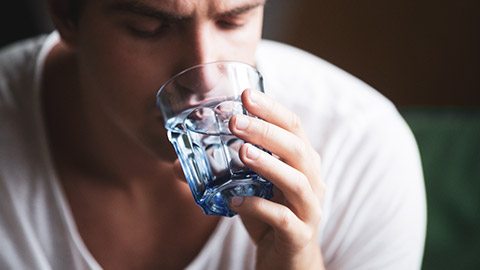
point(241, 122)
point(237, 201)
point(252, 152)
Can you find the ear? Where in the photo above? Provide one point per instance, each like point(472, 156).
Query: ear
point(63, 21)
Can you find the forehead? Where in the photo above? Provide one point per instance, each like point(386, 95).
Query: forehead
point(187, 8)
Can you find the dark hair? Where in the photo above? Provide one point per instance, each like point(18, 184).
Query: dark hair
point(74, 9)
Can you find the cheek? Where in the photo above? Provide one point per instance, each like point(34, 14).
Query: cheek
point(124, 86)
point(125, 78)
point(245, 43)
point(117, 65)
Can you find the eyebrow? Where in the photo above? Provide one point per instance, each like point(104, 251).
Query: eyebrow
point(137, 7)
point(140, 8)
point(241, 9)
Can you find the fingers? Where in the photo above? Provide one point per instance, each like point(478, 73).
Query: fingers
point(262, 106)
point(288, 227)
point(294, 185)
point(296, 174)
point(289, 147)
point(281, 133)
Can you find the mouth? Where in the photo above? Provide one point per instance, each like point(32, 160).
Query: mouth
point(157, 113)
point(159, 119)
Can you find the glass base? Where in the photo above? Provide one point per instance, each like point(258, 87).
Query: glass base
point(216, 200)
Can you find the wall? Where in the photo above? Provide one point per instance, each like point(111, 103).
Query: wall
point(416, 53)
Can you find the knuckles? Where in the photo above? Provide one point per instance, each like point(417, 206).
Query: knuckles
point(301, 149)
point(295, 122)
point(266, 131)
point(301, 185)
point(317, 214)
point(285, 222)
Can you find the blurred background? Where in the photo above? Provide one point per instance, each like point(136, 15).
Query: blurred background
point(424, 55)
point(416, 52)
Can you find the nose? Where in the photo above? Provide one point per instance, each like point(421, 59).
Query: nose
point(201, 47)
point(204, 45)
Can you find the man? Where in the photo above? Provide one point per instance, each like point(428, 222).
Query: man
point(89, 180)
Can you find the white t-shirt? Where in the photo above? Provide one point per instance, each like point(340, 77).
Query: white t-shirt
point(374, 207)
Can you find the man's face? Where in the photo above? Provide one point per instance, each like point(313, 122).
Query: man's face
point(128, 48)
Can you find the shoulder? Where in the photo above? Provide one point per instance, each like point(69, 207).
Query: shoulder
point(344, 116)
point(374, 206)
point(17, 67)
point(323, 95)
point(21, 51)
point(18, 134)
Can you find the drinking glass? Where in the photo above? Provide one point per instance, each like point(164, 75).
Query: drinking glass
point(197, 105)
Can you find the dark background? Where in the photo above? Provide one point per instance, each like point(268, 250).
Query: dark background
point(417, 53)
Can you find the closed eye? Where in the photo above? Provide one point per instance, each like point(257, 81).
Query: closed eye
point(147, 32)
point(229, 25)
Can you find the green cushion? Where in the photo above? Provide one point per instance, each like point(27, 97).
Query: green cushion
point(449, 143)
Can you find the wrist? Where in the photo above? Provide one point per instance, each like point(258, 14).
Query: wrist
point(310, 257)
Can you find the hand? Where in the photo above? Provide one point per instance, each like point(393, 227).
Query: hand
point(286, 228)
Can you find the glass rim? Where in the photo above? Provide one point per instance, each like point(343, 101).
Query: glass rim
point(164, 85)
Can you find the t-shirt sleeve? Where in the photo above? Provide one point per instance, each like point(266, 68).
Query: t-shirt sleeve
point(374, 209)
point(376, 217)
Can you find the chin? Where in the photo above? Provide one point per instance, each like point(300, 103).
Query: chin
point(167, 155)
point(160, 147)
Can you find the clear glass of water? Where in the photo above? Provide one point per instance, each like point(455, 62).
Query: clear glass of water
point(197, 105)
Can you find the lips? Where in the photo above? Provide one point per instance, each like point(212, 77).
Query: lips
point(159, 119)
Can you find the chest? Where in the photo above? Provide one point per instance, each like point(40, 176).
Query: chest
point(122, 233)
